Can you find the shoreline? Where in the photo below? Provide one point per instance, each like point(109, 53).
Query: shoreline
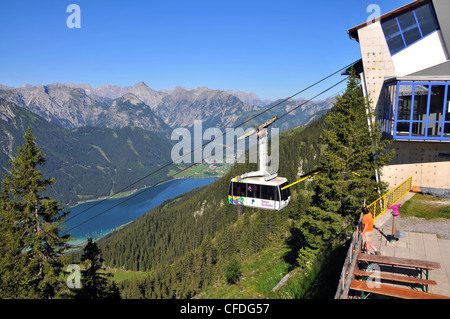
point(78, 242)
point(133, 191)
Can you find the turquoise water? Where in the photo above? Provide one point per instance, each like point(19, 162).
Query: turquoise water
point(98, 218)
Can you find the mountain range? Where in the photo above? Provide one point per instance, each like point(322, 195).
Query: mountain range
point(97, 140)
point(76, 105)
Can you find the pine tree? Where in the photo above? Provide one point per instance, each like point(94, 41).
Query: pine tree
point(95, 285)
point(13, 279)
point(31, 249)
point(355, 152)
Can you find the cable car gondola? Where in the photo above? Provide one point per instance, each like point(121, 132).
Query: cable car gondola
point(259, 189)
point(256, 192)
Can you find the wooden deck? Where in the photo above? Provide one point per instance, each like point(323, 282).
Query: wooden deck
point(418, 262)
point(399, 262)
point(416, 266)
point(393, 291)
point(394, 277)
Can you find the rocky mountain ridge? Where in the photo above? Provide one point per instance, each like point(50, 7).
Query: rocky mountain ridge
point(76, 105)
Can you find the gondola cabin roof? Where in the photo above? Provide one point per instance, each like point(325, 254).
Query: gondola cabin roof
point(277, 181)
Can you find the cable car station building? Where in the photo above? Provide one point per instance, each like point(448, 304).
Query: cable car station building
point(405, 72)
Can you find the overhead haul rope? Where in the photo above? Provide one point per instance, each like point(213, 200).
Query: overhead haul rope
point(188, 167)
point(315, 172)
point(302, 178)
point(246, 121)
point(167, 179)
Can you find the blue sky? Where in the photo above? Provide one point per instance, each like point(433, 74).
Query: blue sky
point(272, 48)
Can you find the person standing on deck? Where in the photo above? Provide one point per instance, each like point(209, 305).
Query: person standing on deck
point(367, 230)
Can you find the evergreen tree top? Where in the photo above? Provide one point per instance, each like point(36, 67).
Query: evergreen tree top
point(31, 253)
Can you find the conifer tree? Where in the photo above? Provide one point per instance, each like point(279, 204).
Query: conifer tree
point(31, 249)
point(96, 285)
point(355, 152)
point(13, 279)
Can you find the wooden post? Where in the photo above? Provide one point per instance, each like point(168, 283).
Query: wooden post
point(394, 228)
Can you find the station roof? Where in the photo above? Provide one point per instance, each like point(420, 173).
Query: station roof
point(353, 32)
point(440, 70)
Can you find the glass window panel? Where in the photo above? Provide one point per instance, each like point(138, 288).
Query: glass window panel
point(252, 190)
point(434, 129)
point(393, 92)
point(447, 130)
point(447, 105)
point(403, 128)
point(404, 102)
point(393, 36)
point(437, 103)
point(427, 19)
point(409, 27)
point(285, 193)
point(239, 189)
point(264, 192)
point(268, 192)
point(257, 191)
point(420, 102)
point(387, 103)
point(388, 109)
point(418, 128)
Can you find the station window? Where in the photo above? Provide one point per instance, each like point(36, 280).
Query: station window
point(426, 18)
point(409, 27)
point(447, 114)
point(388, 112)
point(423, 110)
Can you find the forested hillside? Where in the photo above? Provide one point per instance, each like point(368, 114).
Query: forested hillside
point(88, 162)
point(188, 241)
point(198, 240)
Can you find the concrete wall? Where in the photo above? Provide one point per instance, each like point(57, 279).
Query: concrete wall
point(427, 162)
point(442, 8)
point(423, 54)
point(377, 63)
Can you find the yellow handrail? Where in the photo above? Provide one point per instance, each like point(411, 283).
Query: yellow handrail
point(379, 206)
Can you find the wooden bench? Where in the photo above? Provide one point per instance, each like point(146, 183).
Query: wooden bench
point(394, 291)
point(393, 277)
point(402, 262)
